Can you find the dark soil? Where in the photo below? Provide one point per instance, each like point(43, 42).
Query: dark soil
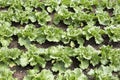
point(20, 72)
point(14, 44)
point(17, 24)
point(75, 63)
point(92, 43)
point(4, 8)
point(62, 25)
point(47, 44)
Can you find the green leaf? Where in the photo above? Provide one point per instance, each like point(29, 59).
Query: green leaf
point(72, 44)
point(97, 33)
point(91, 72)
point(32, 17)
point(57, 19)
point(73, 32)
point(95, 59)
point(49, 9)
point(66, 60)
point(113, 32)
point(5, 41)
point(24, 42)
point(43, 73)
point(87, 53)
point(103, 18)
point(5, 73)
point(103, 73)
point(80, 40)
point(24, 61)
point(58, 66)
point(76, 74)
point(35, 59)
point(42, 17)
point(84, 64)
point(31, 73)
point(56, 36)
point(105, 51)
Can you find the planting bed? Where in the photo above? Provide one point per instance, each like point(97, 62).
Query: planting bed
point(59, 39)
